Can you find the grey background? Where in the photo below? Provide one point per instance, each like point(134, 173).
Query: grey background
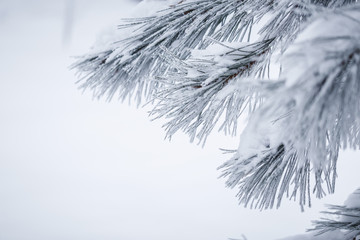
point(76, 168)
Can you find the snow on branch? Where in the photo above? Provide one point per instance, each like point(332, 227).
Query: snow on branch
point(127, 66)
point(199, 63)
point(302, 126)
point(345, 218)
point(339, 223)
point(349, 221)
point(212, 81)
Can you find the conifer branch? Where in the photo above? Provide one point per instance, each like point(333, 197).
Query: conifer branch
point(344, 218)
point(306, 122)
point(203, 88)
point(297, 123)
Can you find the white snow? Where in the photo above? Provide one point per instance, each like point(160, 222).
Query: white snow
point(334, 27)
point(353, 201)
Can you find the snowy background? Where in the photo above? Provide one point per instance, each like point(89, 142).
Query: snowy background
point(76, 168)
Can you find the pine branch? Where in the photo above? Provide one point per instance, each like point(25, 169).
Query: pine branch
point(260, 177)
point(203, 88)
point(128, 65)
point(344, 218)
point(307, 116)
point(198, 118)
point(305, 123)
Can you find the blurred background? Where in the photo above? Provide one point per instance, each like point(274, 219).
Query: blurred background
point(72, 167)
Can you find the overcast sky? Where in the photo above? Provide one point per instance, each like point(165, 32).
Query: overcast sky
point(76, 168)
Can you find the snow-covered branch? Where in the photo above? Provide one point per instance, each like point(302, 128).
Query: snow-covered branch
point(211, 82)
point(201, 64)
point(302, 126)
